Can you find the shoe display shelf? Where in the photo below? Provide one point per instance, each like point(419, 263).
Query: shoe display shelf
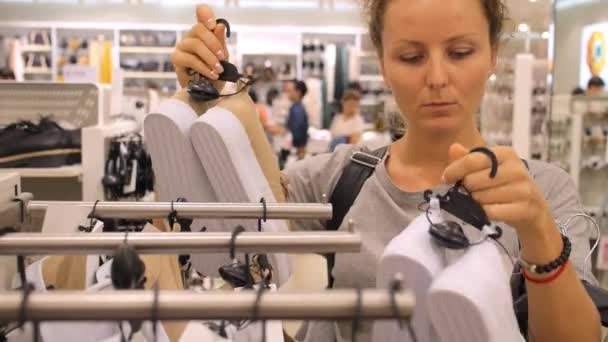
point(579, 141)
point(71, 105)
point(36, 49)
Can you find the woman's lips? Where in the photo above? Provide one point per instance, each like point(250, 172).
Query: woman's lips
point(439, 106)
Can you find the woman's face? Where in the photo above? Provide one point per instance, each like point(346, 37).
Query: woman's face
point(436, 59)
point(350, 107)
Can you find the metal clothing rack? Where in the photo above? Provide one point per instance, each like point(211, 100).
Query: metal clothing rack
point(186, 305)
point(150, 210)
point(163, 243)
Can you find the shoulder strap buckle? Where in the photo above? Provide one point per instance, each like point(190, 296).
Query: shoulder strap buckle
point(365, 159)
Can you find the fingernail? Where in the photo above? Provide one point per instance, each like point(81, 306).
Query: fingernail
point(214, 75)
point(219, 68)
point(220, 54)
point(210, 23)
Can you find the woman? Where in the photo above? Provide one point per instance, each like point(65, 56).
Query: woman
point(348, 126)
point(436, 57)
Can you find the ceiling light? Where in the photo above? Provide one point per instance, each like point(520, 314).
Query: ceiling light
point(493, 78)
point(532, 0)
point(545, 35)
point(523, 27)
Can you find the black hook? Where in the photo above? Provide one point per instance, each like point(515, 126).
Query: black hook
point(226, 23)
point(490, 154)
point(184, 223)
point(91, 216)
point(264, 214)
point(26, 290)
point(395, 287)
point(172, 217)
point(155, 313)
point(256, 309)
point(358, 313)
point(238, 230)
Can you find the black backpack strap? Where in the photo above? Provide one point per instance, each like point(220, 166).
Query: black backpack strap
point(361, 166)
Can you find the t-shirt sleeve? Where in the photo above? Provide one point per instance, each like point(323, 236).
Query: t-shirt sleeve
point(564, 201)
point(311, 178)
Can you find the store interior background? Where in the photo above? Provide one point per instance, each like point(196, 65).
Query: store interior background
point(528, 102)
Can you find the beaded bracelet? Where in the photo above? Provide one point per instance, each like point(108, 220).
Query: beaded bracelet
point(553, 265)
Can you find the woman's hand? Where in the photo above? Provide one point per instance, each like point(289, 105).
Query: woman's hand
point(511, 197)
point(202, 48)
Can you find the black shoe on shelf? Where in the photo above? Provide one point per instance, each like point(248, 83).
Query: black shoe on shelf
point(25, 144)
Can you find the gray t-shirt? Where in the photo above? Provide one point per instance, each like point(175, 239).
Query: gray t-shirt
point(382, 210)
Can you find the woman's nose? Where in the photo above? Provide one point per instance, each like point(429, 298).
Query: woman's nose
point(437, 76)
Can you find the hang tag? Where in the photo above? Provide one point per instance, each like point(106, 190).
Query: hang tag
point(130, 188)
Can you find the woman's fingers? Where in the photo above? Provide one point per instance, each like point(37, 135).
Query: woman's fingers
point(184, 60)
point(473, 162)
point(205, 15)
point(210, 40)
point(194, 46)
point(508, 193)
point(480, 180)
point(220, 34)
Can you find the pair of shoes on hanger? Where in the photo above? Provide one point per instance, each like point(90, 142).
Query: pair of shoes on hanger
point(460, 295)
point(215, 152)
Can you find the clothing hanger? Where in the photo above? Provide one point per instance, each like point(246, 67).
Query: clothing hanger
point(397, 286)
point(237, 274)
point(92, 220)
point(263, 219)
point(449, 234)
point(201, 89)
point(128, 272)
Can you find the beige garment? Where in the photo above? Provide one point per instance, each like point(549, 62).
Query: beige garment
point(164, 270)
point(65, 272)
point(244, 109)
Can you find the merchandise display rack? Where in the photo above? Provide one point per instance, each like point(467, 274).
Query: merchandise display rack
point(76, 105)
point(580, 141)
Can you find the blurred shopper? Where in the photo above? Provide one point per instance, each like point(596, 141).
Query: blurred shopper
point(348, 126)
point(297, 120)
point(595, 86)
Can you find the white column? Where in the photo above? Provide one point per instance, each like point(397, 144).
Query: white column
point(522, 104)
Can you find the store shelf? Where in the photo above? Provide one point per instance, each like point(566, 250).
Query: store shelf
point(36, 48)
point(371, 78)
point(51, 172)
point(160, 50)
point(150, 75)
point(38, 71)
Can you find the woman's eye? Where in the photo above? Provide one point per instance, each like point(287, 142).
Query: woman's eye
point(411, 59)
point(460, 54)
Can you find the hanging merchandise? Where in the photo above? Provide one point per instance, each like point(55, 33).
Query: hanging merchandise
point(128, 170)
